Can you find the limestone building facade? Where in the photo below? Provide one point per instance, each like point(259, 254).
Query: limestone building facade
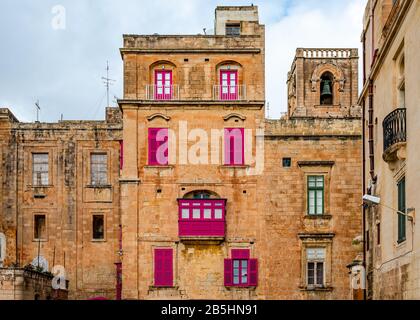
point(390, 97)
point(186, 191)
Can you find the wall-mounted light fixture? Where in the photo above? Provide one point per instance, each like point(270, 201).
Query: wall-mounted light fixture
point(376, 201)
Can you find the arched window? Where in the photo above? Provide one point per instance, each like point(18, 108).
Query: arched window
point(326, 93)
point(202, 194)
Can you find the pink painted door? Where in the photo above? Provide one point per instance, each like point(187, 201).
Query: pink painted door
point(229, 85)
point(163, 85)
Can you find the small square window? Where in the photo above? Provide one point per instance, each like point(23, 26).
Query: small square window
point(40, 227)
point(233, 29)
point(287, 162)
point(185, 213)
point(207, 213)
point(218, 214)
point(98, 225)
point(196, 213)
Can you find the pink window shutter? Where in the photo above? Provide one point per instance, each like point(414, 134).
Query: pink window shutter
point(168, 267)
point(228, 272)
point(253, 272)
point(163, 267)
point(239, 148)
point(121, 154)
point(152, 146)
point(158, 267)
point(234, 146)
point(228, 158)
point(240, 254)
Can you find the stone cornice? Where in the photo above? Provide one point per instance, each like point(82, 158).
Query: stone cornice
point(191, 50)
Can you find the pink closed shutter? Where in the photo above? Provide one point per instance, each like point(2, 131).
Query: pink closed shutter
point(234, 146)
point(228, 273)
point(228, 146)
point(253, 272)
point(163, 267)
point(121, 154)
point(152, 146)
point(239, 148)
point(240, 254)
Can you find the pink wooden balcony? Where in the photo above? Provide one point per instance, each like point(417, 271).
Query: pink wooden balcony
point(202, 218)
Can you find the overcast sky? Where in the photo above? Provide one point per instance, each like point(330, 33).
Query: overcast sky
point(62, 65)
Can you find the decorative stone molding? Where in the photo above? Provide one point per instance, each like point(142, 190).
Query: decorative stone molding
point(158, 115)
point(234, 115)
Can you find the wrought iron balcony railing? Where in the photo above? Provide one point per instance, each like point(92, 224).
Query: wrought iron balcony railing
point(162, 92)
point(229, 93)
point(394, 126)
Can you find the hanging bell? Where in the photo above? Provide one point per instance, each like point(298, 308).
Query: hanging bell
point(326, 88)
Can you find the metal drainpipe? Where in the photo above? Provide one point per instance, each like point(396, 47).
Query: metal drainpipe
point(370, 138)
point(118, 266)
point(364, 190)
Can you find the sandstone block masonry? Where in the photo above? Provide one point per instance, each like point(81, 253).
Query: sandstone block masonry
point(277, 237)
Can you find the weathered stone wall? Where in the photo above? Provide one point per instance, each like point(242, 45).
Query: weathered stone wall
point(68, 201)
point(19, 284)
point(392, 266)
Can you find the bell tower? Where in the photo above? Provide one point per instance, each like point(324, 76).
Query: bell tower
point(323, 83)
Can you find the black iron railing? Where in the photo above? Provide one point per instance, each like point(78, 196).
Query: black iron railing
point(395, 128)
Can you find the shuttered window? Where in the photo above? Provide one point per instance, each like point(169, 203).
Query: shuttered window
point(158, 146)
point(240, 270)
point(163, 269)
point(234, 146)
point(402, 208)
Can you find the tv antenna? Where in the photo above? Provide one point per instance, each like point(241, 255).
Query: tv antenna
point(108, 82)
point(38, 108)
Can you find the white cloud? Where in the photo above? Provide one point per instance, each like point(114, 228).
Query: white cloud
point(335, 24)
point(63, 69)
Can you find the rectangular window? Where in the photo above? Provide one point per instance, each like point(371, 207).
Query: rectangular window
point(40, 169)
point(229, 85)
point(98, 227)
point(233, 29)
point(234, 146)
point(158, 146)
point(40, 227)
point(99, 169)
point(287, 162)
point(163, 268)
point(316, 195)
point(315, 267)
point(240, 270)
point(401, 208)
point(163, 85)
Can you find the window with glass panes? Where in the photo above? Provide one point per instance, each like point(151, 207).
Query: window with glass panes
point(40, 169)
point(99, 169)
point(240, 272)
point(315, 267)
point(402, 208)
point(316, 195)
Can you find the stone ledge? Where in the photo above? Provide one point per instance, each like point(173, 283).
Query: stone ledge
point(316, 235)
